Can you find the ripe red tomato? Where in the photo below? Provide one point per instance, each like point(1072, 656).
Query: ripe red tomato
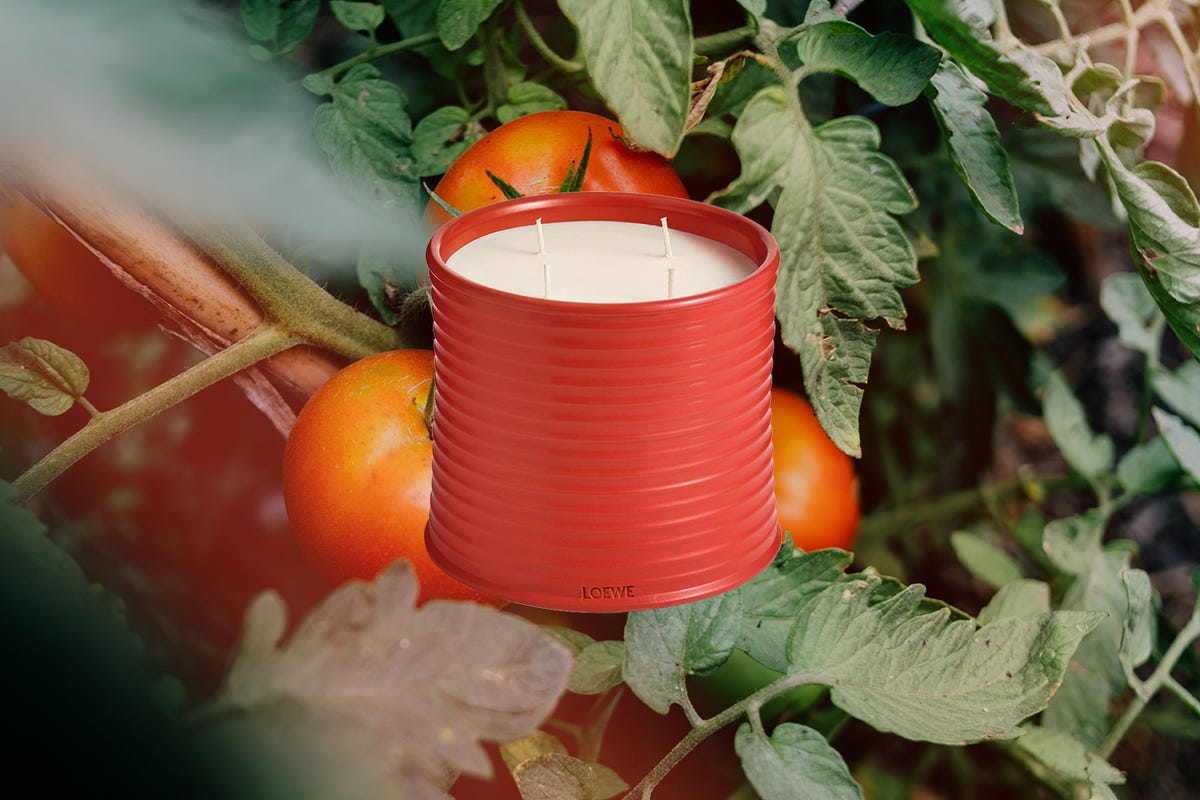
point(357, 471)
point(534, 153)
point(65, 273)
point(816, 489)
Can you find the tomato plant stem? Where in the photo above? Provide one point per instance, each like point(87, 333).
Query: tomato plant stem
point(379, 52)
point(544, 50)
point(265, 341)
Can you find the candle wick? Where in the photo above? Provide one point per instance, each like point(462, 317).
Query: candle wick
point(541, 238)
point(666, 239)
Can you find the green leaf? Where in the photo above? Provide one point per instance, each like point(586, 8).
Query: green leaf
point(1073, 543)
point(413, 17)
point(771, 600)
point(1138, 623)
point(1180, 390)
point(795, 761)
point(441, 137)
point(664, 645)
point(1125, 300)
point(1009, 68)
point(47, 377)
point(844, 255)
point(1089, 454)
point(925, 676)
point(1070, 759)
point(984, 559)
point(1182, 439)
point(598, 668)
point(386, 277)
point(891, 67)
point(1148, 467)
point(528, 98)
point(365, 17)
point(367, 134)
point(370, 685)
point(280, 25)
point(639, 56)
point(457, 20)
point(973, 143)
point(1019, 599)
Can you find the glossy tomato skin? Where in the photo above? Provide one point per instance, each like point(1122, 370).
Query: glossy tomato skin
point(816, 489)
point(534, 153)
point(357, 472)
point(65, 273)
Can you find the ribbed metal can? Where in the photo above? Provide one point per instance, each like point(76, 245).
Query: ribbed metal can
point(603, 456)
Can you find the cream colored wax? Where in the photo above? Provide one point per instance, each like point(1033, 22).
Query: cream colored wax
point(599, 261)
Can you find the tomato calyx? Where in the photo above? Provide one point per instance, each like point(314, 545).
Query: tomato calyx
point(572, 181)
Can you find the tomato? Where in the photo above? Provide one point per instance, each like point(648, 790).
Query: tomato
point(65, 273)
point(357, 472)
point(533, 154)
point(816, 489)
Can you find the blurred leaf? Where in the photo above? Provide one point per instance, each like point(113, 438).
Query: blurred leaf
point(639, 56)
point(794, 761)
point(1148, 467)
point(538, 743)
point(280, 25)
point(441, 137)
point(926, 676)
point(1090, 454)
point(457, 20)
point(563, 777)
point(1073, 543)
point(367, 134)
point(1019, 599)
point(844, 255)
point(1182, 439)
point(890, 67)
point(47, 377)
point(413, 17)
point(365, 17)
point(1180, 390)
point(575, 641)
point(597, 668)
point(528, 98)
point(1069, 758)
point(369, 681)
point(1138, 623)
point(1124, 298)
point(984, 559)
point(664, 645)
point(771, 600)
point(973, 143)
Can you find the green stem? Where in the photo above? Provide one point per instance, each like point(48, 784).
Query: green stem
point(379, 52)
point(265, 341)
point(708, 727)
point(544, 50)
point(294, 300)
point(1161, 677)
point(724, 41)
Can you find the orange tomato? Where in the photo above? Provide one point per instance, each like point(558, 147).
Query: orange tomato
point(357, 472)
point(533, 154)
point(816, 489)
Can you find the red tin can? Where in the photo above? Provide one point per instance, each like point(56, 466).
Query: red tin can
point(603, 456)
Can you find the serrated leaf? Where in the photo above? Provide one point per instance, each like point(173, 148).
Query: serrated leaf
point(843, 254)
point(597, 668)
point(794, 761)
point(1182, 439)
point(367, 134)
point(441, 137)
point(365, 17)
point(973, 142)
point(925, 676)
point(1090, 454)
point(1070, 759)
point(1125, 300)
point(457, 20)
point(771, 600)
point(891, 67)
point(280, 25)
point(1180, 390)
point(47, 377)
point(528, 98)
point(665, 645)
point(1018, 599)
point(639, 56)
point(1148, 467)
point(369, 678)
point(985, 560)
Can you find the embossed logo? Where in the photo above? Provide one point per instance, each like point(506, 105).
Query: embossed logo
point(606, 592)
